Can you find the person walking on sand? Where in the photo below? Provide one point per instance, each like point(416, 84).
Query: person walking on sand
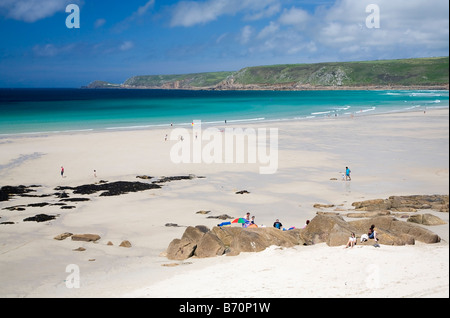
point(62, 172)
point(347, 174)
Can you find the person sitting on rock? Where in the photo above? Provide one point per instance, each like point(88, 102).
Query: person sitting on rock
point(277, 224)
point(373, 233)
point(351, 241)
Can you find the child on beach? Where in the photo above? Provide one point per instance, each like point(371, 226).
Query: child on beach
point(347, 174)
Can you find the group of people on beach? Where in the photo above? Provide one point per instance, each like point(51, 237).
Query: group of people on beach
point(249, 220)
point(277, 224)
point(372, 234)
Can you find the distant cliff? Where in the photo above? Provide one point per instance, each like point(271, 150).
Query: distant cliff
point(419, 73)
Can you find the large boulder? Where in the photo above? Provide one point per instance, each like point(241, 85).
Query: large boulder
point(209, 245)
point(181, 249)
point(394, 232)
point(426, 219)
point(226, 234)
point(258, 239)
point(372, 205)
point(230, 241)
point(330, 229)
point(405, 203)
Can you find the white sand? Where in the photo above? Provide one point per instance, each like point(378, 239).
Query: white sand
point(396, 154)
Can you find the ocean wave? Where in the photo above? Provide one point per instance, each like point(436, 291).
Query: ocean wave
point(346, 107)
point(430, 94)
point(367, 110)
point(322, 113)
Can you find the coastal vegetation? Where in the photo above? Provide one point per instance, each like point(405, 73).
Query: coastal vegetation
point(402, 73)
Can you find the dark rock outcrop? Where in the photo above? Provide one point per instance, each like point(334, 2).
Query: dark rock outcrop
point(8, 191)
point(40, 218)
point(111, 189)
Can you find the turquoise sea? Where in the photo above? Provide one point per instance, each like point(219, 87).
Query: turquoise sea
point(35, 111)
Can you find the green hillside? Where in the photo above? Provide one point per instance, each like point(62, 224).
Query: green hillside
point(183, 80)
point(423, 72)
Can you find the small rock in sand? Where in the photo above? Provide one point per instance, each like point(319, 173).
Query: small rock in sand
point(125, 244)
point(85, 237)
point(62, 236)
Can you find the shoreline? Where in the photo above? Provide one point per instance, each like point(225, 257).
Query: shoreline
point(389, 154)
point(216, 123)
point(287, 88)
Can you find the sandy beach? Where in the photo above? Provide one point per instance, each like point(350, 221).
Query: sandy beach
point(389, 154)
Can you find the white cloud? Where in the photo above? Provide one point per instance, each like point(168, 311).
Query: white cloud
point(138, 14)
point(265, 13)
point(127, 45)
point(269, 30)
point(339, 32)
point(190, 13)
point(33, 10)
point(294, 16)
point(408, 24)
point(143, 10)
point(246, 34)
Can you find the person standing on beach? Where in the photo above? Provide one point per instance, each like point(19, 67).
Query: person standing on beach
point(62, 172)
point(347, 174)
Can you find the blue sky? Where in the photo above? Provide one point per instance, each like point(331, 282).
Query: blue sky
point(118, 39)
